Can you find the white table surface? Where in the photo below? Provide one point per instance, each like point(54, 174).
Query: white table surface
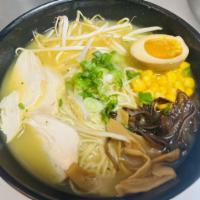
point(180, 7)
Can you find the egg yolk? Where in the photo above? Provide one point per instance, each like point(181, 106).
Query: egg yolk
point(163, 47)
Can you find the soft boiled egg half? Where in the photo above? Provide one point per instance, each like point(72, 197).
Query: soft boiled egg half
point(160, 52)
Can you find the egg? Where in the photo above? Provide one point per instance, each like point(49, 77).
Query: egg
point(160, 52)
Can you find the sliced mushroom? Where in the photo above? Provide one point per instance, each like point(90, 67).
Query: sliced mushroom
point(159, 176)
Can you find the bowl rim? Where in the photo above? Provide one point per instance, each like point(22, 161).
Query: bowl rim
point(25, 190)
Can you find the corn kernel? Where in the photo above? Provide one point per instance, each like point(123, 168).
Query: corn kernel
point(189, 91)
point(179, 85)
point(163, 106)
point(184, 65)
point(158, 94)
point(170, 96)
point(179, 76)
point(189, 82)
point(173, 91)
point(147, 80)
point(162, 80)
point(138, 85)
point(171, 77)
point(147, 77)
point(149, 84)
point(154, 88)
point(163, 90)
point(148, 73)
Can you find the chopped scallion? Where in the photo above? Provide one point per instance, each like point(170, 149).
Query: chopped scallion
point(60, 102)
point(145, 97)
point(21, 106)
point(132, 74)
point(187, 72)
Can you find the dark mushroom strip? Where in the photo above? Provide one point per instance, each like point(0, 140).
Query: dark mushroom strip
point(165, 131)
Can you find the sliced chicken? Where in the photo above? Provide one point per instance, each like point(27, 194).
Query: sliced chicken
point(60, 140)
point(29, 75)
point(37, 85)
point(10, 115)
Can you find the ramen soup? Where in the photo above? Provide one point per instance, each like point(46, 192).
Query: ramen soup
point(103, 106)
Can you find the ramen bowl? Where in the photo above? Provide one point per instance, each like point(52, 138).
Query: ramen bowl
point(144, 14)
